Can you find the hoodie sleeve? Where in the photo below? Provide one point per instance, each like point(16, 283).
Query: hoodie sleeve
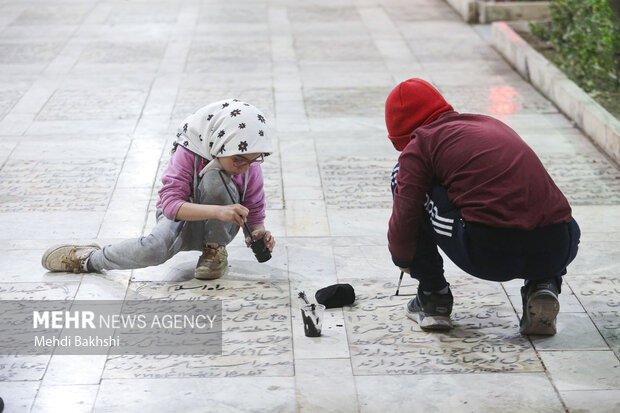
point(414, 180)
point(254, 197)
point(177, 182)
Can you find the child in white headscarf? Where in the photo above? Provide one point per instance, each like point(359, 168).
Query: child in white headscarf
point(212, 187)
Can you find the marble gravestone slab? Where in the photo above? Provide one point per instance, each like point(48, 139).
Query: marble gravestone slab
point(137, 14)
point(40, 290)
point(600, 296)
point(496, 100)
point(257, 337)
point(69, 14)
point(250, 14)
point(29, 53)
point(18, 368)
point(316, 14)
point(227, 50)
point(99, 103)
point(123, 52)
point(357, 181)
point(585, 179)
point(356, 48)
point(349, 102)
point(485, 338)
point(40, 185)
point(193, 98)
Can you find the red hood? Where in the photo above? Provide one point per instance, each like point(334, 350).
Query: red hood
point(413, 103)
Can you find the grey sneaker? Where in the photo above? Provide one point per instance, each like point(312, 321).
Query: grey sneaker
point(540, 308)
point(212, 263)
point(68, 258)
point(431, 312)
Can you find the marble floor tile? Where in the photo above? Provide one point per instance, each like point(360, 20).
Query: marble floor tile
point(594, 401)
point(347, 222)
point(596, 258)
point(274, 394)
point(72, 398)
point(23, 368)
point(48, 290)
point(459, 392)
point(582, 370)
point(79, 104)
point(50, 225)
point(332, 343)
point(322, 74)
point(325, 385)
point(311, 263)
point(306, 217)
point(333, 102)
point(75, 369)
point(110, 285)
point(24, 266)
point(364, 263)
point(600, 296)
point(18, 396)
point(366, 177)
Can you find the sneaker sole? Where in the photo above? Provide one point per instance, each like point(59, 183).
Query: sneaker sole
point(432, 323)
point(52, 249)
point(542, 311)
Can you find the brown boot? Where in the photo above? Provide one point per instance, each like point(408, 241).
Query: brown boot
point(212, 263)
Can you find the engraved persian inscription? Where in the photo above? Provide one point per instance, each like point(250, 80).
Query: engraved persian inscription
point(256, 339)
point(99, 103)
point(485, 337)
point(333, 102)
point(600, 296)
point(79, 185)
point(357, 182)
point(585, 179)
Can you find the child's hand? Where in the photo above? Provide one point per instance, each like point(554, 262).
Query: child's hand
point(258, 233)
point(233, 213)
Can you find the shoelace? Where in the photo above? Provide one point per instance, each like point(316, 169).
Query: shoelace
point(73, 263)
point(210, 252)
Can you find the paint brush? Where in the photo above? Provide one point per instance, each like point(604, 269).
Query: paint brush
point(400, 280)
point(245, 224)
point(302, 295)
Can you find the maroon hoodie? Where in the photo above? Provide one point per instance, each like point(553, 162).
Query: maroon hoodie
point(489, 173)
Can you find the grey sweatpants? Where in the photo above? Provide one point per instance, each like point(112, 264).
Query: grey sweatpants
point(169, 237)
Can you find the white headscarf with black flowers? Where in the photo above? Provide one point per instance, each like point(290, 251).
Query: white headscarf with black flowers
point(225, 128)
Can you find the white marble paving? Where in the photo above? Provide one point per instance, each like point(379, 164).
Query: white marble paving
point(458, 392)
point(91, 93)
point(582, 370)
point(71, 398)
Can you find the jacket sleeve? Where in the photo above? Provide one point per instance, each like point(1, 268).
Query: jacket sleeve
point(414, 180)
point(177, 182)
point(255, 197)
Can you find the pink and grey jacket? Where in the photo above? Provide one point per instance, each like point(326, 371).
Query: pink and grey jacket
point(177, 183)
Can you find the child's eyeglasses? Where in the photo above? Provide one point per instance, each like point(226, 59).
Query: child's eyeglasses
point(242, 161)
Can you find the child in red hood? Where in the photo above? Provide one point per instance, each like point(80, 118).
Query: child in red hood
point(470, 185)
